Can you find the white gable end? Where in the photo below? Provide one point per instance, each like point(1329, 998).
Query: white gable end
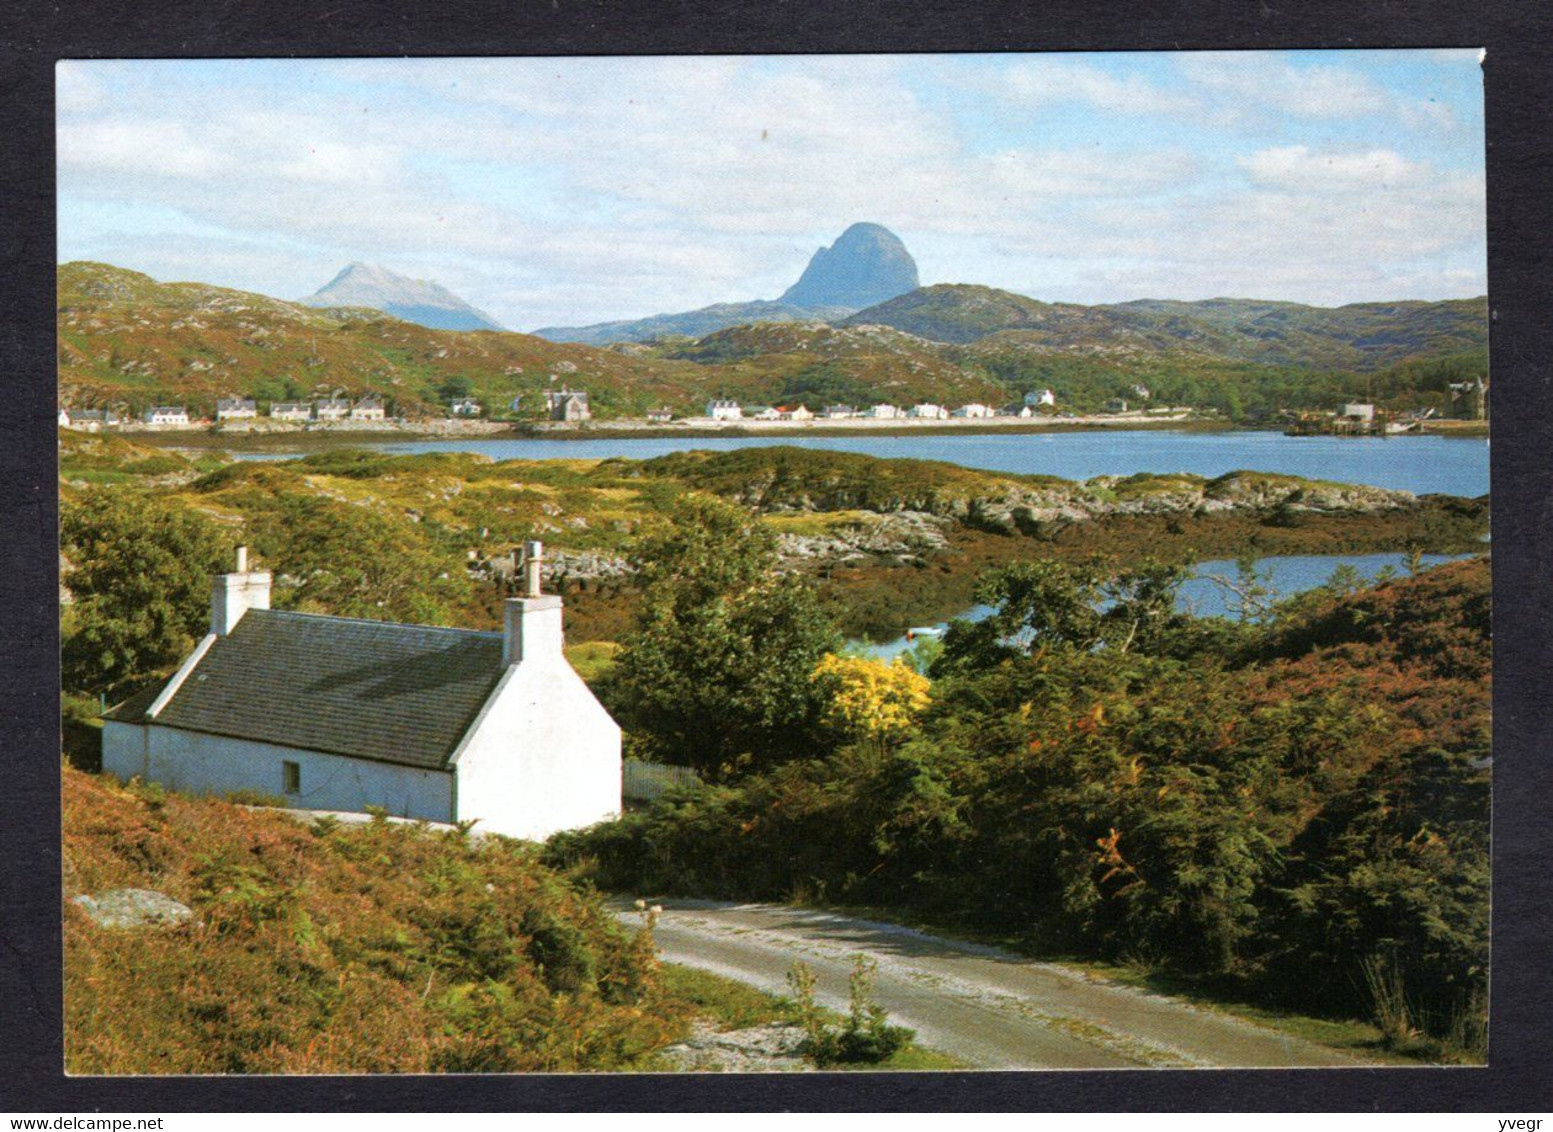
point(543, 756)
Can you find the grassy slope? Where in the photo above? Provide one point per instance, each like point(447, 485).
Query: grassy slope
point(126, 338)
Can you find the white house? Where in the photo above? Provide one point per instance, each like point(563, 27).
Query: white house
point(1357, 411)
point(660, 416)
point(882, 412)
point(333, 409)
point(1020, 410)
point(166, 415)
point(1038, 397)
point(568, 405)
point(236, 409)
point(838, 412)
point(796, 413)
point(464, 407)
point(334, 713)
point(367, 409)
point(927, 412)
point(974, 410)
point(724, 410)
point(291, 411)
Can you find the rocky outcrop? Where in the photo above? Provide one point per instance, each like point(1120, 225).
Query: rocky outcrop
point(134, 908)
point(756, 1049)
point(901, 534)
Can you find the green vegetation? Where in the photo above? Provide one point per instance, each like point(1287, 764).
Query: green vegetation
point(125, 339)
point(340, 949)
point(718, 666)
point(1291, 812)
point(366, 534)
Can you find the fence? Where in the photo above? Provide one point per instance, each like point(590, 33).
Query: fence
point(647, 782)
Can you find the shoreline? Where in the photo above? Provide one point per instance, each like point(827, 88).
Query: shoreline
point(277, 439)
point(281, 437)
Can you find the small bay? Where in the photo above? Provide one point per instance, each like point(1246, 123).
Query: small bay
point(1285, 576)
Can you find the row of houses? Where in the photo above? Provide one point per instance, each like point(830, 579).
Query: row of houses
point(726, 410)
point(232, 409)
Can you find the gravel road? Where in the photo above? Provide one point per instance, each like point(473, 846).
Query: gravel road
point(989, 1008)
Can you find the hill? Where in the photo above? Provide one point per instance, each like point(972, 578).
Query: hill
point(419, 301)
point(867, 264)
point(125, 337)
point(327, 948)
point(689, 323)
point(1361, 336)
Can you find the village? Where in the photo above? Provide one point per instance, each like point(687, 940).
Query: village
point(569, 409)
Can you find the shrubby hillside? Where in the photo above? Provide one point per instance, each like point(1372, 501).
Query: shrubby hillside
point(126, 339)
point(323, 948)
point(1291, 811)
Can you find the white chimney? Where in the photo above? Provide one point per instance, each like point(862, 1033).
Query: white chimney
point(531, 627)
point(232, 595)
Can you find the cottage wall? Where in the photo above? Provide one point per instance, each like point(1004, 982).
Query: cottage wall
point(544, 755)
point(195, 763)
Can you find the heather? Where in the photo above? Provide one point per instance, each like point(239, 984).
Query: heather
point(330, 948)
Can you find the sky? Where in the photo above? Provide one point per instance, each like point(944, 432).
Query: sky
point(576, 190)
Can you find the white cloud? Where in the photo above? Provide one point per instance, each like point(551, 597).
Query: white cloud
point(581, 190)
point(1047, 81)
point(1298, 167)
point(1248, 81)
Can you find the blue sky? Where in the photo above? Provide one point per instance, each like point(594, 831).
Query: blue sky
point(574, 190)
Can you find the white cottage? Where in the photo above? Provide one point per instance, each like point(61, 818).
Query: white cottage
point(334, 713)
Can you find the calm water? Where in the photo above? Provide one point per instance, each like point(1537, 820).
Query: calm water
point(1420, 464)
point(1200, 594)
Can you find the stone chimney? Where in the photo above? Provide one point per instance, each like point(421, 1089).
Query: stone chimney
point(234, 594)
point(532, 623)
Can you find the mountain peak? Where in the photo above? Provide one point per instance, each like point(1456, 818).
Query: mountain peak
point(420, 301)
point(868, 264)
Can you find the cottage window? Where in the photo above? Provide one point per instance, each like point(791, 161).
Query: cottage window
point(291, 777)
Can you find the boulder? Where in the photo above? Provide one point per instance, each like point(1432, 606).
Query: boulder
point(134, 908)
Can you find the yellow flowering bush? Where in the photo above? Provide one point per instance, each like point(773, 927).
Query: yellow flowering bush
point(871, 698)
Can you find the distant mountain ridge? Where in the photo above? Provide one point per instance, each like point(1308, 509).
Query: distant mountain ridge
point(1359, 336)
point(867, 264)
point(420, 301)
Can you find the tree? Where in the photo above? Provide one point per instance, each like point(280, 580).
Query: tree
point(718, 667)
point(1048, 605)
point(141, 571)
point(872, 699)
point(350, 561)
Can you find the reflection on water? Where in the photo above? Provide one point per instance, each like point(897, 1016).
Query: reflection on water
point(1202, 595)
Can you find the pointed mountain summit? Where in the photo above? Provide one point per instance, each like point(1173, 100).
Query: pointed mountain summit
point(420, 301)
point(867, 265)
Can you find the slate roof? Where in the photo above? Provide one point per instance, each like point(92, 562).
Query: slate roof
point(402, 694)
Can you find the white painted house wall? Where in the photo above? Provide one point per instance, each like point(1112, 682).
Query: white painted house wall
point(544, 755)
point(194, 763)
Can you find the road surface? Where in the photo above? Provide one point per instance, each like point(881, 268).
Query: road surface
point(989, 1008)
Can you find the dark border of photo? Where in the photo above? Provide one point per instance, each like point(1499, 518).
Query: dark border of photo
point(1518, 38)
